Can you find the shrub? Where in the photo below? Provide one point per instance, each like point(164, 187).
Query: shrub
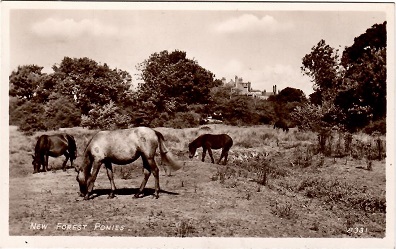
point(184, 228)
point(107, 117)
point(284, 210)
point(32, 117)
point(183, 120)
point(377, 126)
point(62, 112)
point(335, 191)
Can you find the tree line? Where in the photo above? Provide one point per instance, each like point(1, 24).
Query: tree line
point(350, 92)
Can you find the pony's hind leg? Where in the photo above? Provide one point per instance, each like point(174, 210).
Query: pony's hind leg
point(45, 166)
point(109, 169)
point(225, 157)
point(64, 162)
point(155, 171)
point(149, 166)
point(147, 174)
point(223, 154)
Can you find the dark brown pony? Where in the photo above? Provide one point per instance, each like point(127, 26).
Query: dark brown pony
point(54, 146)
point(209, 142)
point(281, 124)
point(123, 147)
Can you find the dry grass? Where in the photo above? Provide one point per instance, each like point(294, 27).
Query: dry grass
point(275, 185)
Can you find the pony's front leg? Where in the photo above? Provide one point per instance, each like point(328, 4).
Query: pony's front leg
point(203, 154)
point(211, 154)
point(92, 178)
point(109, 169)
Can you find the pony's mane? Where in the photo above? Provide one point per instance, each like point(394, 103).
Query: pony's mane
point(198, 141)
point(87, 169)
point(86, 147)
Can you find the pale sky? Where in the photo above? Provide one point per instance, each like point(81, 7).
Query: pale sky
point(264, 46)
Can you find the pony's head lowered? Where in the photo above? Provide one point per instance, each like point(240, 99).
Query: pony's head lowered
point(82, 182)
point(192, 149)
point(36, 163)
point(83, 174)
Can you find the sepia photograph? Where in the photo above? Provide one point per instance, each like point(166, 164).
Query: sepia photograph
point(197, 124)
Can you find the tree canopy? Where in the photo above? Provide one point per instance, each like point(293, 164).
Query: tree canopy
point(351, 91)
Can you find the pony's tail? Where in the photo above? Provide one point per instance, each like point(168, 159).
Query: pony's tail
point(72, 146)
point(167, 156)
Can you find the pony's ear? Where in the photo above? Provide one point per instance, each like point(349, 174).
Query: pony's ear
point(76, 168)
point(32, 156)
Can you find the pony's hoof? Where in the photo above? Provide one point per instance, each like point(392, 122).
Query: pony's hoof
point(138, 195)
point(111, 196)
point(86, 198)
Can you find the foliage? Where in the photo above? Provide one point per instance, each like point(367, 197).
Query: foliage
point(106, 117)
point(351, 90)
point(183, 120)
point(172, 82)
point(289, 94)
point(364, 90)
point(323, 67)
point(309, 116)
point(32, 117)
point(377, 126)
point(24, 81)
point(90, 83)
point(373, 39)
point(61, 112)
point(15, 112)
point(336, 191)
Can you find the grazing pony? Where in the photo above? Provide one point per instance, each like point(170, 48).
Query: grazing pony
point(209, 142)
point(54, 146)
point(123, 147)
point(281, 124)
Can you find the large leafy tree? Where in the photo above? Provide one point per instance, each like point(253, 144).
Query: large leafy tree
point(362, 96)
point(172, 82)
point(90, 83)
point(322, 65)
point(289, 94)
point(351, 91)
point(25, 81)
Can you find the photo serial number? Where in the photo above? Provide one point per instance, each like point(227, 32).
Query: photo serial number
point(76, 227)
point(357, 230)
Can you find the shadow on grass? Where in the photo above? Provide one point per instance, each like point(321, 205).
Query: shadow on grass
point(360, 167)
point(128, 191)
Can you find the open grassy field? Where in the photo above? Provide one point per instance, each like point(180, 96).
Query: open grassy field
point(275, 185)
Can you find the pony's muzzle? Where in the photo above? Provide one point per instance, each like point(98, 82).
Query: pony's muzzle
point(193, 155)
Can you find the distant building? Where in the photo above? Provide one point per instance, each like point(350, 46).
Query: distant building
point(266, 95)
point(245, 88)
